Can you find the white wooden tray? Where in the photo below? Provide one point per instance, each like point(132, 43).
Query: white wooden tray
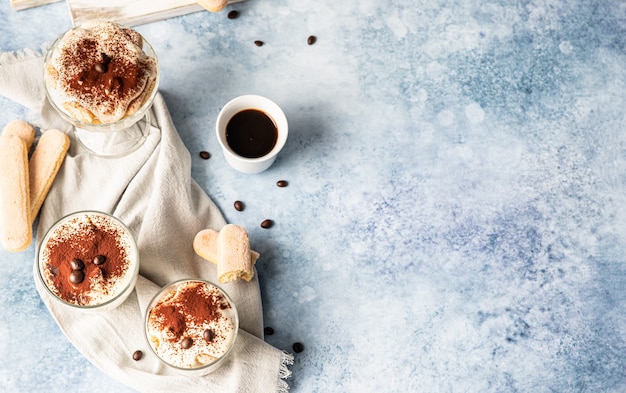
point(126, 12)
point(23, 4)
point(131, 12)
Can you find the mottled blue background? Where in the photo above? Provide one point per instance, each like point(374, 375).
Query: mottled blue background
point(454, 220)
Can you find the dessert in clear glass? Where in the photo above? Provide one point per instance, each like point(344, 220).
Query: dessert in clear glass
point(102, 78)
point(89, 261)
point(191, 325)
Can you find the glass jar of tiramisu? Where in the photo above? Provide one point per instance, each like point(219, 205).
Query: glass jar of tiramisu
point(102, 78)
point(191, 325)
point(89, 261)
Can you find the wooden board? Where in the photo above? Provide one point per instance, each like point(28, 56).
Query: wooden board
point(131, 12)
point(23, 4)
point(126, 12)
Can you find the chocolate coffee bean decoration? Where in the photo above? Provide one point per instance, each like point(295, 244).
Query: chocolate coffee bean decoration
point(77, 276)
point(99, 259)
point(186, 343)
point(137, 355)
point(238, 206)
point(267, 224)
point(259, 43)
point(234, 14)
point(282, 183)
point(311, 40)
point(209, 335)
point(117, 83)
point(77, 264)
point(101, 67)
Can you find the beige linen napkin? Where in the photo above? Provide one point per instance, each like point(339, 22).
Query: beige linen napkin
point(152, 192)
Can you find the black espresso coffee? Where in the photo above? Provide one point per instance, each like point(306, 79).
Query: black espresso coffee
point(251, 133)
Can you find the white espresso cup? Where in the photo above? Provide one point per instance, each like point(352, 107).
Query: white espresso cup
point(243, 130)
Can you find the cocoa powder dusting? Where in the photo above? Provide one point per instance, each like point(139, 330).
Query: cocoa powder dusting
point(85, 244)
point(122, 81)
point(104, 68)
point(193, 306)
point(173, 320)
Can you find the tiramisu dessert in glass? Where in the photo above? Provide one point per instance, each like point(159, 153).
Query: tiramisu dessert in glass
point(102, 78)
point(89, 261)
point(192, 325)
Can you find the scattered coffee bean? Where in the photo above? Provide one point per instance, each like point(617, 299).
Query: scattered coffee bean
point(205, 155)
point(137, 355)
point(311, 40)
point(186, 343)
point(234, 14)
point(101, 67)
point(259, 43)
point(298, 347)
point(209, 335)
point(77, 264)
point(99, 259)
point(282, 183)
point(77, 276)
point(268, 330)
point(239, 206)
point(267, 224)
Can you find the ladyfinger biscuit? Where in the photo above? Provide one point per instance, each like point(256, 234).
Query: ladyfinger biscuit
point(79, 112)
point(22, 129)
point(16, 231)
point(213, 5)
point(44, 165)
point(205, 245)
point(233, 248)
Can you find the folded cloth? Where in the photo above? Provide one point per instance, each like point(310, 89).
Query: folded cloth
point(152, 192)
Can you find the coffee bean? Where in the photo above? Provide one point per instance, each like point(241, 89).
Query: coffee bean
point(282, 183)
point(77, 276)
point(298, 347)
point(99, 260)
point(205, 155)
point(234, 14)
point(77, 264)
point(267, 224)
point(186, 343)
point(259, 43)
point(268, 330)
point(101, 67)
point(137, 355)
point(208, 335)
point(117, 83)
point(311, 40)
point(239, 206)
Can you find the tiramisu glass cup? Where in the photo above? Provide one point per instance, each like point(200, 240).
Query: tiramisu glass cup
point(89, 261)
point(105, 138)
point(191, 325)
